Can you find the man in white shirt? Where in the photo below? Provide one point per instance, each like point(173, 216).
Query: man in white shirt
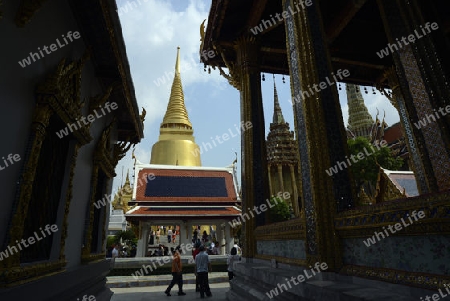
point(202, 267)
point(114, 255)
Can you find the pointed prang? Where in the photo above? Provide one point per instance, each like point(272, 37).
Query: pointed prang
point(277, 114)
point(359, 120)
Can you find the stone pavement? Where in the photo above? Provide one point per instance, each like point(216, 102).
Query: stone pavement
point(157, 280)
point(150, 293)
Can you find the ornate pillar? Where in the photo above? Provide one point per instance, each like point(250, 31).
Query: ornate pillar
point(253, 143)
point(269, 175)
point(280, 177)
point(229, 238)
point(223, 241)
point(321, 135)
point(142, 246)
point(294, 197)
point(425, 88)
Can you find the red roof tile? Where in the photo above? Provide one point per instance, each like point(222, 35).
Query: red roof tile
point(184, 211)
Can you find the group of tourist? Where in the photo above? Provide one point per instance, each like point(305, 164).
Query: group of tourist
point(202, 268)
point(161, 230)
point(119, 250)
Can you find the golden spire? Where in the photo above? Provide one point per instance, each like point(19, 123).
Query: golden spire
point(176, 110)
point(176, 142)
point(277, 114)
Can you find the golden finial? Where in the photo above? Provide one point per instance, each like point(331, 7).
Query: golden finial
point(177, 63)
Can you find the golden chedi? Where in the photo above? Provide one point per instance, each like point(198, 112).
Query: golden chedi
point(176, 144)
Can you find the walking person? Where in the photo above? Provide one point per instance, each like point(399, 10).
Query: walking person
point(158, 233)
point(176, 274)
point(202, 267)
point(194, 254)
point(152, 238)
point(169, 235)
point(114, 254)
point(232, 258)
point(174, 236)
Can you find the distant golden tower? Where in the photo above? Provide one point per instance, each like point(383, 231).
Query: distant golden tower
point(176, 144)
point(123, 196)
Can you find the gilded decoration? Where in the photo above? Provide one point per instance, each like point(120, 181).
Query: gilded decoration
point(61, 90)
point(234, 75)
point(105, 159)
point(291, 229)
point(398, 101)
point(86, 251)
point(59, 94)
point(413, 79)
point(363, 221)
point(123, 74)
point(316, 117)
point(22, 274)
point(26, 11)
point(142, 116)
point(424, 280)
point(69, 196)
point(98, 100)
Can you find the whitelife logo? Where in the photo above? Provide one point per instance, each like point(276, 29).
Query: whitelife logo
point(318, 267)
point(53, 47)
point(31, 240)
point(11, 158)
point(185, 249)
point(371, 240)
point(321, 86)
point(423, 122)
point(334, 170)
point(204, 147)
point(285, 14)
point(90, 118)
point(263, 208)
point(411, 38)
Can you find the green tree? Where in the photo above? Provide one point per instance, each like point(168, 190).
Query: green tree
point(366, 169)
point(128, 237)
point(280, 212)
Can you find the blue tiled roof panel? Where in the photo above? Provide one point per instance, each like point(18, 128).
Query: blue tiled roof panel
point(164, 186)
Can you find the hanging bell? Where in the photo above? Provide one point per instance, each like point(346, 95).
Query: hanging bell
point(263, 78)
point(340, 88)
point(365, 90)
point(373, 91)
point(209, 70)
point(283, 80)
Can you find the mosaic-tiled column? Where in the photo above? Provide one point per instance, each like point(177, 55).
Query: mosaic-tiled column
point(253, 144)
point(322, 139)
point(269, 177)
point(294, 196)
point(399, 102)
point(425, 88)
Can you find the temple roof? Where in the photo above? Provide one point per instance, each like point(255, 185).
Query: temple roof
point(102, 31)
point(405, 181)
point(345, 23)
point(182, 184)
point(184, 211)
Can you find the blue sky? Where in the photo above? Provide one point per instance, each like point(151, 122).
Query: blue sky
point(152, 31)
